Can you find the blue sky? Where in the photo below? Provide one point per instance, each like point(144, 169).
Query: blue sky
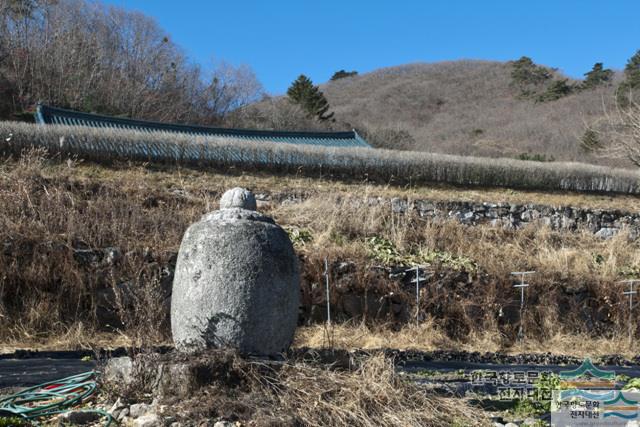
point(282, 39)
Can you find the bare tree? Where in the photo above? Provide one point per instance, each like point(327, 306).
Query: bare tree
point(277, 114)
point(88, 56)
point(230, 88)
point(621, 129)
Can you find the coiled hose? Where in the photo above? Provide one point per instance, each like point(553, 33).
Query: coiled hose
point(52, 398)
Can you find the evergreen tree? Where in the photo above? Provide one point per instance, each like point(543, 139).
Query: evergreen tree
point(624, 94)
point(310, 98)
point(342, 74)
point(590, 141)
point(632, 71)
point(597, 76)
point(526, 72)
point(556, 90)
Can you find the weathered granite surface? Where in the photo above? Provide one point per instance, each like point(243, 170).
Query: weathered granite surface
point(236, 283)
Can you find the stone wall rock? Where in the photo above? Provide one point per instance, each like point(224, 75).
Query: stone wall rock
point(602, 222)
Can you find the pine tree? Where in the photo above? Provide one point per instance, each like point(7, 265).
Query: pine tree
point(555, 91)
point(526, 72)
point(310, 98)
point(342, 74)
point(632, 71)
point(590, 141)
point(597, 76)
point(624, 93)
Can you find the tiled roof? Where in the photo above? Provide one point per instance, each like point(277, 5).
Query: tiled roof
point(59, 116)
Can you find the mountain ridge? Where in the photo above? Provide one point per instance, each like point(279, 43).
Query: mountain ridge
point(468, 107)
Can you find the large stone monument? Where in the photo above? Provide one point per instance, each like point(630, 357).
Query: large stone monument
point(236, 282)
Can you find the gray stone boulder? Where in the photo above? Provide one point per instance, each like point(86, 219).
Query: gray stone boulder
point(236, 282)
point(238, 198)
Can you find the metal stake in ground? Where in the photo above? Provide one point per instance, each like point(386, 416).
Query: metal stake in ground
point(631, 292)
point(417, 281)
point(326, 278)
point(521, 285)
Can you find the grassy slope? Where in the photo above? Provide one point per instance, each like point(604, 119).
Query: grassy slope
point(48, 210)
point(446, 105)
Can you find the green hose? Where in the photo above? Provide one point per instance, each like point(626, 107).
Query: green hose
point(52, 398)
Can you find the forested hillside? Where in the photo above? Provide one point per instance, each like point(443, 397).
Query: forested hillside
point(468, 107)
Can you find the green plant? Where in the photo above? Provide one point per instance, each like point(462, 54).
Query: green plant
point(633, 383)
point(342, 74)
point(427, 373)
point(597, 76)
point(527, 408)
point(630, 271)
point(556, 90)
point(525, 72)
point(623, 378)
point(385, 251)
point(13, 422)
point(590, 141)
point(540, 404)
point(624, 92)
point(632, 71)
point(304, 93)
point(299, 236)
point(447, 259)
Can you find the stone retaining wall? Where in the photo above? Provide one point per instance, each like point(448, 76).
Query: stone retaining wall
point(603, 223)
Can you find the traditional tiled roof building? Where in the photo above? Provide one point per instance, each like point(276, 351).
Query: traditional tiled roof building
point(50, 115)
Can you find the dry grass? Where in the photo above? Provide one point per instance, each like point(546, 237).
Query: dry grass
point(574, 292)
point(78, 336)
point(373, 395)
point(49, 211)
point(382, 166)
point(359, 335)
point(429, 337)
point(368, 393)
point(193, 181)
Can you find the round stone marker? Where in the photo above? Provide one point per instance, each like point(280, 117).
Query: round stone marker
point(236, 282)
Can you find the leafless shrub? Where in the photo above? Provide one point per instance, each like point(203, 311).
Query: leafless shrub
point(618, 132)
point(274, 114)
point(390, 138)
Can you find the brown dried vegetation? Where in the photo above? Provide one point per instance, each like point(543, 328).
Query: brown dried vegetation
point(295, 393)
point(58, 221)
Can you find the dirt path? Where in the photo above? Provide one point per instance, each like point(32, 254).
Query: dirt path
point(30, 372)
point(28, 369)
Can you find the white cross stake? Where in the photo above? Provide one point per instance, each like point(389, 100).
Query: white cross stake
point(521, 285)
point(326, 277)
point(417, 281)
point(631, 292)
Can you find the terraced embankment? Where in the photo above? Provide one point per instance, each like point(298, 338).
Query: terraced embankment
point(89, 247)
